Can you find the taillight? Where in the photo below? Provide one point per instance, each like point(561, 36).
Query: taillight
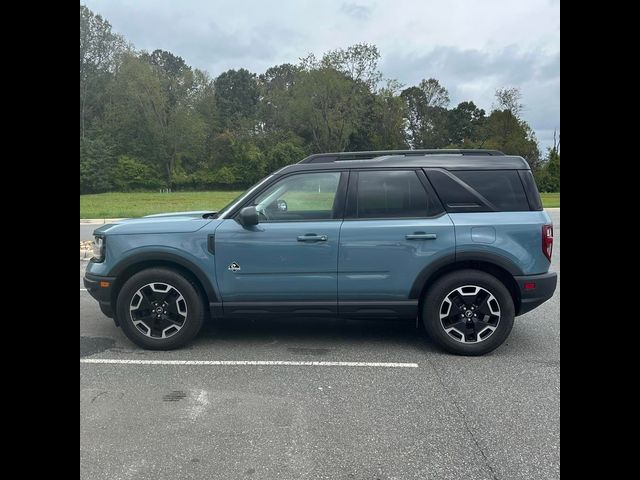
point(547, 240)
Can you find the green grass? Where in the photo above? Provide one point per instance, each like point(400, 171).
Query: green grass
point(550, 200)
point(300, 201)
point(117, 205)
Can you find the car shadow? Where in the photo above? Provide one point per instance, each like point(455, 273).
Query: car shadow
point(314, 336)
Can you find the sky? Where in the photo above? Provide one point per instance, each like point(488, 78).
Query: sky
point(471, 47)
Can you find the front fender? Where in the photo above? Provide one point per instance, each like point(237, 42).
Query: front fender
point(168, 255)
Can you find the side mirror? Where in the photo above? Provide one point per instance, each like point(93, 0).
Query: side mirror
point(282, 205)
point(247, 217)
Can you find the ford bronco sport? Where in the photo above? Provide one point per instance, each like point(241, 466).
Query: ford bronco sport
point(455, 238)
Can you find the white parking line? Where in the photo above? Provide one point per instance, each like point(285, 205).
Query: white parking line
point(247, 362)
point(83, 289)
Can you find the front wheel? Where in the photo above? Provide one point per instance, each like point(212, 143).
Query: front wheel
point(468, 312)
point(159, 309)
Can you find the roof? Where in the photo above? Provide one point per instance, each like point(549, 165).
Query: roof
point(446, 159)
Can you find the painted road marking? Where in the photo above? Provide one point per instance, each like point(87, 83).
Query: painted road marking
point(83, 289)
point(247, 362)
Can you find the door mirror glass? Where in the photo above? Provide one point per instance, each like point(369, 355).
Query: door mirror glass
point(247, 217)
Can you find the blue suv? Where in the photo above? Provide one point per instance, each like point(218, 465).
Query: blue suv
point(456, 238)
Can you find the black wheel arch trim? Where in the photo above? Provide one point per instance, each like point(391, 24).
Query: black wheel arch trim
point(167, 257)
point(454, 258)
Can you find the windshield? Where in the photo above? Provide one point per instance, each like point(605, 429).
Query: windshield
point(221, 213)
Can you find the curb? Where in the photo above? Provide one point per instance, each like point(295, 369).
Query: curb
point(86, 249)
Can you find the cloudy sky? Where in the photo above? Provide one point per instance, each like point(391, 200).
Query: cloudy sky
point(472, 47)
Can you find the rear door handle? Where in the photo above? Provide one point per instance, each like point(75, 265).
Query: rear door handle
point(421, 236)
point(312, 237)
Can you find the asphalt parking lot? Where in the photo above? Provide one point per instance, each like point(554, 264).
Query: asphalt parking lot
point(435, 416)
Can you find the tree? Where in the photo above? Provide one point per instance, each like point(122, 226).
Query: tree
point(151, 114)
point(359, 62)
point(465, 122)
point(276, 86)
point(383, 125)
point(435, 95)
point(96, 165)
point(100, 51)
point(325, 108)
point(548, 174)
point(553, 171)
point(284, 153)
point(427, 120)
point(505, 132)
point(509, 99)
point(237, 95)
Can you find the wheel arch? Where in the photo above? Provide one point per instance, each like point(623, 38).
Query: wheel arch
point(134, 264)
point(500, 269)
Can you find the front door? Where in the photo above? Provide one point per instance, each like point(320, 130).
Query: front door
point(287, 264)
point(394, 229)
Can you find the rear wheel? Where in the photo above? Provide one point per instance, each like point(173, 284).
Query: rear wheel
point(159, 309)
point(468, 312)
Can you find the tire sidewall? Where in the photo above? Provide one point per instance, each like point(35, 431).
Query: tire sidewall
point(443, 286)
point(195, 310)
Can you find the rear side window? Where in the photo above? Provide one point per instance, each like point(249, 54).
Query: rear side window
point(389, 193)
point(530, 187)
point(480, 190)
point(502, 188)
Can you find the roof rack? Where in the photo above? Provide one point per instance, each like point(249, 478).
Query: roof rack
point(342, 156)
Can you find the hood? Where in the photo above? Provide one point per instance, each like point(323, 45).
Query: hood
point(193, 214)
point(173, 222)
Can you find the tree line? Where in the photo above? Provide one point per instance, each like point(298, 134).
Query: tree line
point(150, 121)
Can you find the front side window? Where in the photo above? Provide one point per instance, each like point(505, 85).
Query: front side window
point(388, 193)
point(306, 196)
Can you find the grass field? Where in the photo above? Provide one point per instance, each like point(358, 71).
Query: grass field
point(118, 205)
point(550, 200)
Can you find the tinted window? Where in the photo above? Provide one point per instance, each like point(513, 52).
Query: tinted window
point(456, 196)
point(531, 189)
point(307, 196)
point(386, 193)
point(502, 188)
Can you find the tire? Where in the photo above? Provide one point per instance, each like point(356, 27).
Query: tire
point(181, 313)
point(464, 330)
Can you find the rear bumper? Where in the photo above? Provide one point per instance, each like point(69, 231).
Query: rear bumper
point(100, 288)
point(530, 298)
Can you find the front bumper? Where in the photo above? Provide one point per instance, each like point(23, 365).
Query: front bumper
point(99, 287)
point(530, 298)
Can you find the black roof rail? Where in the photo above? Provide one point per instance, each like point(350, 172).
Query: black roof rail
point(342, 156)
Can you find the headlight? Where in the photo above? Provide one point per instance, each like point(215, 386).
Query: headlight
point(98, 248)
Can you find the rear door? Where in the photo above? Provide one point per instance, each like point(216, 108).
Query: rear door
point(394, 229)
point(287, 264)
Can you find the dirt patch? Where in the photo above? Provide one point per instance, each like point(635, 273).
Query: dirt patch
point(93, 345)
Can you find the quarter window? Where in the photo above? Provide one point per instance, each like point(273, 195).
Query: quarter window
point(502, 188)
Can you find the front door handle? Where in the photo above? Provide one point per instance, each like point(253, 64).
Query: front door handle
point(421, 236)
point(312, 237)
